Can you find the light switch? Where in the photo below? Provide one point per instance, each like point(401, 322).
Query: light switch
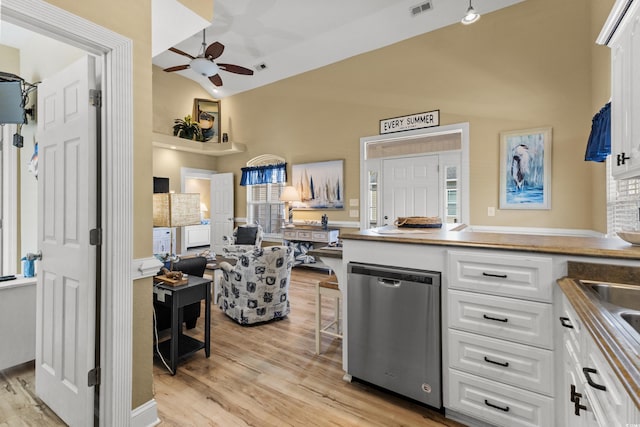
point(354, 202)
point(353, 213)
point(491, 211)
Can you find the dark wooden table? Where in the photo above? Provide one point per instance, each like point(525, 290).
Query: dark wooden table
point(179, 345)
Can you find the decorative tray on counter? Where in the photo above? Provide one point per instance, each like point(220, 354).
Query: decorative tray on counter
point(418, 222)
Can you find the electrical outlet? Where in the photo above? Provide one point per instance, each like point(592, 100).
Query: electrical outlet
point(354, 202)
point(491, 211)
point(353, 213)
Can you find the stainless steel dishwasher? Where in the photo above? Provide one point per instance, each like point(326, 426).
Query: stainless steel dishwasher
point(393, 341)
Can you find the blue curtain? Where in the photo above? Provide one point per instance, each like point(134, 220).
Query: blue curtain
point(269, 174)
point(599, 144)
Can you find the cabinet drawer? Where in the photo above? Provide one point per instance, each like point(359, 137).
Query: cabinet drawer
point(526, 322)
point(498, 404)
point(319, 236)
point(303, 235)
point(525, 277)
point(504, 361)
point(290, 234)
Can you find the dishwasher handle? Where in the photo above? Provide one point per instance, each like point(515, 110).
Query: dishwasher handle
point(388, 283)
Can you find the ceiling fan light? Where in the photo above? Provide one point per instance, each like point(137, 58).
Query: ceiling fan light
point(204, 67)
point(471, 16)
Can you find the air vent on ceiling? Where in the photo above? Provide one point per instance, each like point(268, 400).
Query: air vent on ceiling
point(261, 66)
point(422, 7)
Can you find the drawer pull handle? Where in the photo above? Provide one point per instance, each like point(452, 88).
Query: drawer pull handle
point(500, 276)
point(566, 322)
point(574, 395)
point(505, 409)
point(495, 318)
point(587, 372)
point(577, 406)
point(505, 364)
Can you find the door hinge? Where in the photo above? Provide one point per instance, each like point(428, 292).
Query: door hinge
point(95, 97)
point(94, 377)
point(95, 237)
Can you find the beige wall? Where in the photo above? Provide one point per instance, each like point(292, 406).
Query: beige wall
point(132, 19)
point(202, 187)
point(526, 66)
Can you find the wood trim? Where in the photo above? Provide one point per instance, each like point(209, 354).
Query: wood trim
point(117, 137)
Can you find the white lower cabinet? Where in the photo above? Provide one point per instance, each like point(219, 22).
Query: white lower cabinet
point(500, 339)
point(592, 395)
point(498, 403)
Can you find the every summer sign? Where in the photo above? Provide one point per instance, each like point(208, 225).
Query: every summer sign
point(413, 121)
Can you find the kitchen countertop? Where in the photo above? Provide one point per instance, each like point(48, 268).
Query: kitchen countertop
point(567, 245)
point(620, 352)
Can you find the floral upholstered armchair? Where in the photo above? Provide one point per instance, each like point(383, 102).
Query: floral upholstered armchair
point(256, 289)
point(245, 238)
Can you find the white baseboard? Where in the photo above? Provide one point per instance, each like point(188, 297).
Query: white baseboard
point(145, 415)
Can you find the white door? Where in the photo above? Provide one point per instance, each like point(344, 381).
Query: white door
point(65, 329)
point(410, 188)
point(221, 209)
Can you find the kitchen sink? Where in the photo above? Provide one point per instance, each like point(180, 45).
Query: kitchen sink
point(633, 319)
point(622, 301)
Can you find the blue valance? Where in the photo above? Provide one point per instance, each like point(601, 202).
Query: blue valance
point(599, 144)
point(269, 174)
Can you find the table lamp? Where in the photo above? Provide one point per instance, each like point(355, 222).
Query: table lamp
point(290, 195)
point(175, 210)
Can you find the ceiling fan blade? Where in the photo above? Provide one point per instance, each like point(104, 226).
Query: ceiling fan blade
point(214, 50)
point(179, 52)
point(216, 80)
point(236, 69)
point(176, 68)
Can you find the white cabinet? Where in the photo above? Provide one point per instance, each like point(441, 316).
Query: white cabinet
point(592, 395)
point(624, 41)
point(500, 345)
point(197, 235)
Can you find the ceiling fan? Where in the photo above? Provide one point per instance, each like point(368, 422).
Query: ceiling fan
point(204, 63)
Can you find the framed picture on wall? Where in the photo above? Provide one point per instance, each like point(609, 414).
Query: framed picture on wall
point(320, 185)
point(207, 113)
point(525, 169)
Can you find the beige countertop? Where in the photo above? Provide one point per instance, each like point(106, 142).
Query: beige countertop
point(568, 245)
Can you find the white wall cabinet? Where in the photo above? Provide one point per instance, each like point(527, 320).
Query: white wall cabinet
point(624, 41)
point(500, 351)
point(592, 395)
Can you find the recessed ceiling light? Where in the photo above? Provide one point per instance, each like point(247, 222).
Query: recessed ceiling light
point(173, 147)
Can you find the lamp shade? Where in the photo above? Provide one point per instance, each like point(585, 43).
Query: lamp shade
point(290, 194)
point(203, 207)
point(176, 209)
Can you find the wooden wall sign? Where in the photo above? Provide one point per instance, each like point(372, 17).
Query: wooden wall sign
point(413, 121)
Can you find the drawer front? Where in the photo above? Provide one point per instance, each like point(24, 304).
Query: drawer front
point(518, 276)
point(303, 235)
point(319, 236)
point(290, 234)
point(571, 328)
point(503, 361)
point(607, 404)
point(526, 322)
point(498, 404)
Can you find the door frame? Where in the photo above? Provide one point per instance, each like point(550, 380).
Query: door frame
point(186, 173)
point(116, 310)
point(376, 165)
point(9, 203)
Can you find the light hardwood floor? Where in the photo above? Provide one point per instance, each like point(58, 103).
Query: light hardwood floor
point(265, 375)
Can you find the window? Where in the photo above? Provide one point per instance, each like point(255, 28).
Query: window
point(265, 208)
point(623, 202)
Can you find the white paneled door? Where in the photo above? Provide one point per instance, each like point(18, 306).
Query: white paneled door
point(221, 208)
point(410, 188)
point(65, 330)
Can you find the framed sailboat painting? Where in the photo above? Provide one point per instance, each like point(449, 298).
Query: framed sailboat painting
point(320, 185)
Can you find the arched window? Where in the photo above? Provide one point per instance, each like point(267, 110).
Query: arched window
point(265, 177)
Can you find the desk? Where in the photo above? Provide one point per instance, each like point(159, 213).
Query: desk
point(304, 238)
point(176, 297)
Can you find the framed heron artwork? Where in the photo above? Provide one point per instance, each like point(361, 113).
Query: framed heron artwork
point(525, 169)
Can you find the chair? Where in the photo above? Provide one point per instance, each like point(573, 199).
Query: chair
point(245, 238)
point(194, 266)
point(328, 288)
point(256, 289)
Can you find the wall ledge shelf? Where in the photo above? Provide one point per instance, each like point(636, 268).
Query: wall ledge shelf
point(207, 148)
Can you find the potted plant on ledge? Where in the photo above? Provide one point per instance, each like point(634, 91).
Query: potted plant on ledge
point(187, 129)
